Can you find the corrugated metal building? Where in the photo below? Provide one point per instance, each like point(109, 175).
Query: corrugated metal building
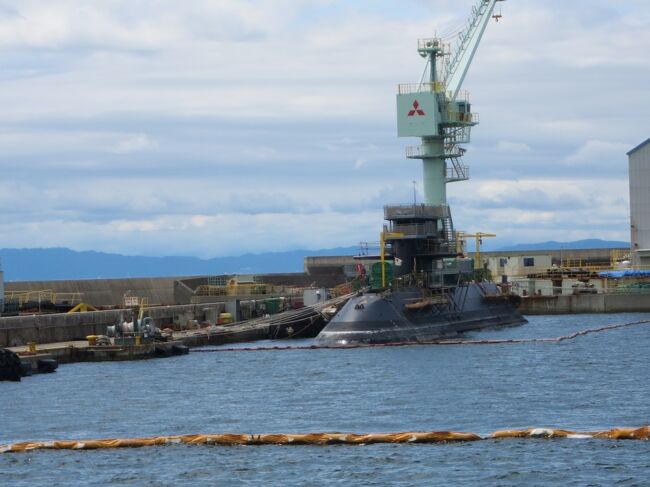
point(2, 290)
point(639, 161)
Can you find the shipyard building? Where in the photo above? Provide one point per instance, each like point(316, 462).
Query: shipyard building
point(2, 290)
point(639, 164)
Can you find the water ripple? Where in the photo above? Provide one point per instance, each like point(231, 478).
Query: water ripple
point(594, 382)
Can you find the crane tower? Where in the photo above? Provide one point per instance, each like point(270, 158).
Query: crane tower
point(437, 111)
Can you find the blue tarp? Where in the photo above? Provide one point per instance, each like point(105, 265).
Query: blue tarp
point(625, 273)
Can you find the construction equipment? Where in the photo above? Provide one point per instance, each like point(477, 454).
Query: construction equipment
point(138, 331)
point(479, 236)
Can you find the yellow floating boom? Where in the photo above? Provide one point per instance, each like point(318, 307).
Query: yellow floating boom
point(229, 439)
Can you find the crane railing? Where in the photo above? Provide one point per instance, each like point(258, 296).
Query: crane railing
point(409, 88)
point(393, 212)
point(457, 171)
point(462, 117)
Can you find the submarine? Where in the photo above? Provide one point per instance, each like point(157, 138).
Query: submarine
point(429, 292)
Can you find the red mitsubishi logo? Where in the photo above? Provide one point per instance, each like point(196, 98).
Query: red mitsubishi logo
point(416, 109)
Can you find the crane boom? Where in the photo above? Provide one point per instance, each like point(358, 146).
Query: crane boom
point(468, 41)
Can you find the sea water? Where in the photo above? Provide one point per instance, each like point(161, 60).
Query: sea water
point(593, 382)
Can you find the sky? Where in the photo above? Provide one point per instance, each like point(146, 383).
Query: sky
point(213, 128)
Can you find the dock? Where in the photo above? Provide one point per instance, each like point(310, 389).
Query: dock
point(299, 323)
point(586, 303)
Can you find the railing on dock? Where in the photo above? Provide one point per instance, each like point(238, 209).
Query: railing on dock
point(247, 290)
point(525, 290)
point(43, 296)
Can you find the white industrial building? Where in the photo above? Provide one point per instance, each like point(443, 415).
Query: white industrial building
point(518, 265)
point(639, 161)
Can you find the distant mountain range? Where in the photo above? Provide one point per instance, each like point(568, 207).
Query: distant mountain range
point(592, 243)
point(61, 263)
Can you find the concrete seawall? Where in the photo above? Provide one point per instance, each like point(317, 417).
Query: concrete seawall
point(163, 290)
point(106, 292)
point(304, 322)
point(48, 328)
point(585, 303)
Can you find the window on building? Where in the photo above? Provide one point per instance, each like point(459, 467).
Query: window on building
point(503, 262)
point(529, 261)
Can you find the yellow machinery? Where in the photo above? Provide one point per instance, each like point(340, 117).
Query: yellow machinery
point(82, 308)
point(479, 236)
point(144, 304)
point(382, 242)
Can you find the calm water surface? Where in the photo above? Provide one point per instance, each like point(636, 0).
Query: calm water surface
point(594, 382)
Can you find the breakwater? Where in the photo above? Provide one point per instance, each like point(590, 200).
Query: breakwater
point(585, 303)
point(62, 327)
point(300, 323)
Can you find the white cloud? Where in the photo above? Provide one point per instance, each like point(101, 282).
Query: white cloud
point(529, 211)
point(262, 152)
point(134, 143)
point(595, 151)
point(513, 147)
point(260, 117)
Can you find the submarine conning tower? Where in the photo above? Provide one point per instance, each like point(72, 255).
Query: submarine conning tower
point(421, 236)
point(423, 245)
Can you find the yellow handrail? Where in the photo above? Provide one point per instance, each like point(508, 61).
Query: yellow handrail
point(382, 241)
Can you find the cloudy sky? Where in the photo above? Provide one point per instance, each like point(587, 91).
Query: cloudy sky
point(219, 127)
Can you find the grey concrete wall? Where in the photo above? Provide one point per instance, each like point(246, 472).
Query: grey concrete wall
point(311, 264)
point(159, 290)
point(183, 293)
point(106, 292)
point(19, 330)
point(586, 303)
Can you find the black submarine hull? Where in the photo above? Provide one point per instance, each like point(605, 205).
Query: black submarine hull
point(405, 316)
